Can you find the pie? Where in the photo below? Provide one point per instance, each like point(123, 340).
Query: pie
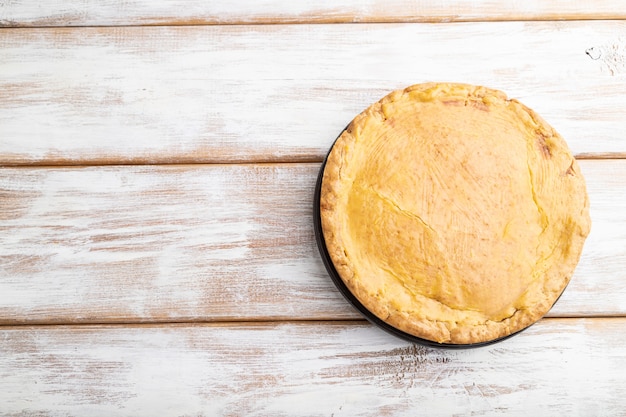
point(452, 213)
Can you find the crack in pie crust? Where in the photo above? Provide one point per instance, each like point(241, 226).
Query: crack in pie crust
point(453, 213)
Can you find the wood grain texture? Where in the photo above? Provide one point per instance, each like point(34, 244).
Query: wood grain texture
point(227, 251)
point(284, 92)
point(558, 367)
point(15, 13)
point(222, 242)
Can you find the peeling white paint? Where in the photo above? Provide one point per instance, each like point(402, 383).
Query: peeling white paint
point(250, 93)
point(559, 366)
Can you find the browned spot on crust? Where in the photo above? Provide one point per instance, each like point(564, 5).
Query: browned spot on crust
point(350, 127)
point(451, 102)
point(543, 146)
point(570, 170)
point(477, 104)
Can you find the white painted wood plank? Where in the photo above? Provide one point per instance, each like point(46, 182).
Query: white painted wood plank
point(283, 92)
point(229, 242)
point(194, 12)
point(161, 243)
point(558, 367)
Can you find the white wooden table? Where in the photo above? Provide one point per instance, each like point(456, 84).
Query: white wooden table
point(157, 168)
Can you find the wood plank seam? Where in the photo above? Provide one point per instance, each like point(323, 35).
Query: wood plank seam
point(245, 323)
point(253, 162)
point(9, 24)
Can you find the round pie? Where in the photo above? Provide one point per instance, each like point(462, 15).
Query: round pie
point(452, 213)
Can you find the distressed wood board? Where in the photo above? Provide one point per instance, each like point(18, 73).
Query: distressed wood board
point(282, 93)
point(197, 243)
point(16, 13)
point(558, 367)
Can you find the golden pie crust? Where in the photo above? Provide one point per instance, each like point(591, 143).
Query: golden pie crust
point(453, 213)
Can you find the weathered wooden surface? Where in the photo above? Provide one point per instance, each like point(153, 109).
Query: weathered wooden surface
point(558, 367)
point(284, 92)
point(196, 243)
point(195, 288)
point(199, 12)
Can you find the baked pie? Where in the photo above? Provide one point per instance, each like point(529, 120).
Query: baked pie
point(452, 213)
